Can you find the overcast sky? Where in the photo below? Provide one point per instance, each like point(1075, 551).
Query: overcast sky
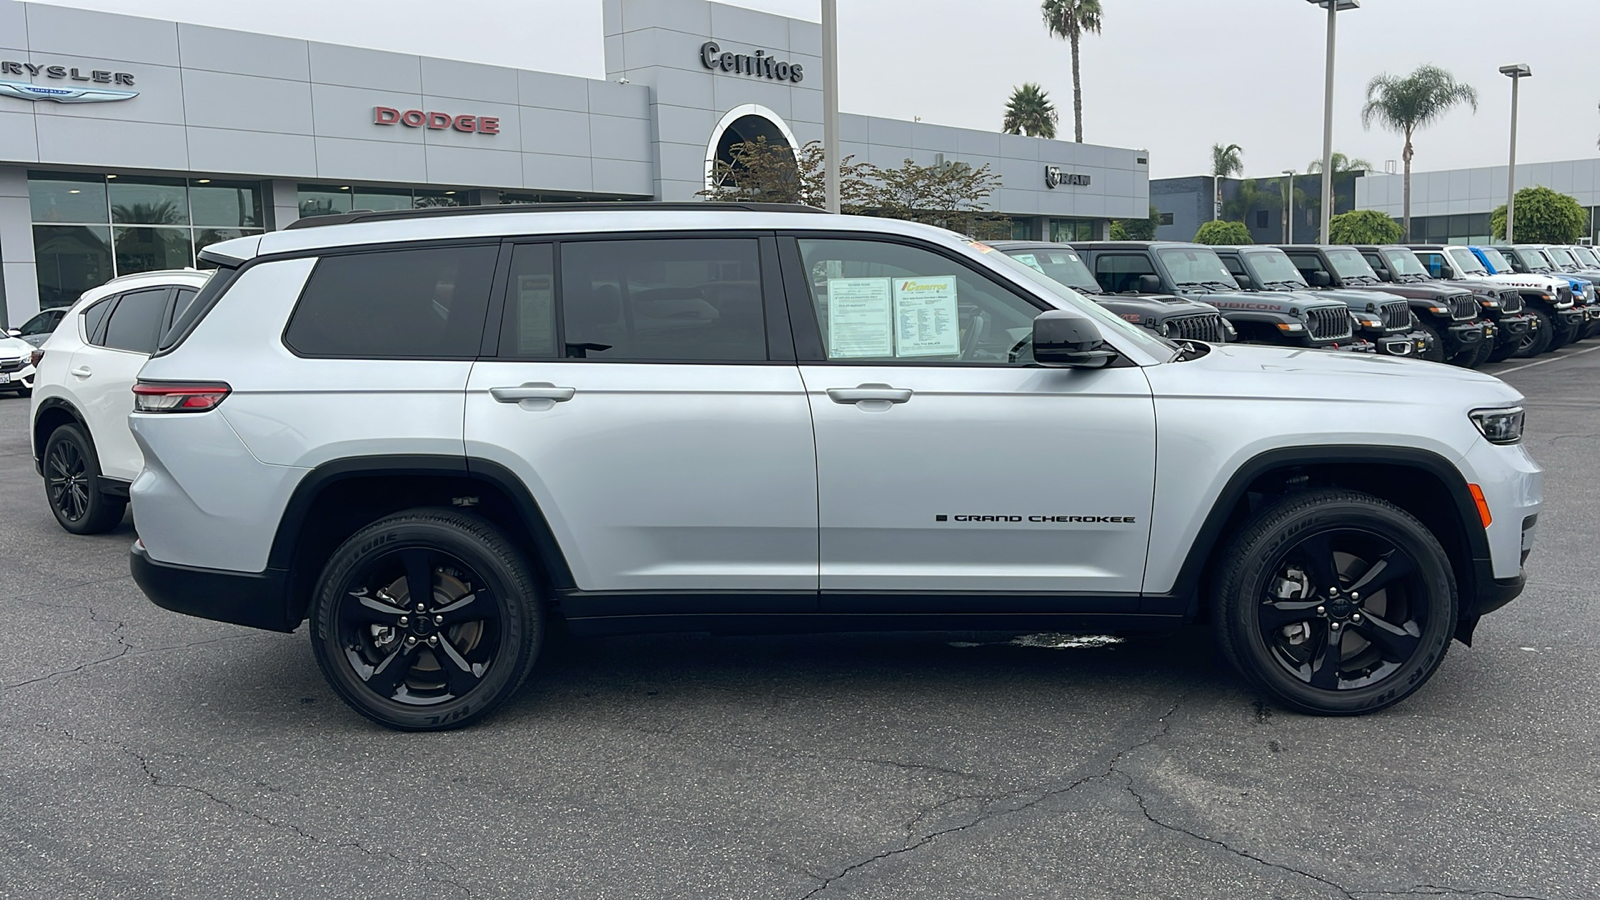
point(1170, 76)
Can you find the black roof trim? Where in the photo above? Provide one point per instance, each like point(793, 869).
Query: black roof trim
point(367, 215)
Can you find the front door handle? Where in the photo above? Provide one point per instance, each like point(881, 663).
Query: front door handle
point(866, 393)
point(83, 371)
point(533, 390)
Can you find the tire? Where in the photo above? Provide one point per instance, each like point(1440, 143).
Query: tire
point(1436, 354)
point(365, 627)
point(71, 476)
point(1503, 352)
point(1562, 335)
point(1486, 351)
point(1473, 356)
point(1283, 568)
point(1539, 340)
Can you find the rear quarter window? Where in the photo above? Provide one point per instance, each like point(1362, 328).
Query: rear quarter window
point(415, 303)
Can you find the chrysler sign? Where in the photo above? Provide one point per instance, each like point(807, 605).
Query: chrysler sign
point(27, 90)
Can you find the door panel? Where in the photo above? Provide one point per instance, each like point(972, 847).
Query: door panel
point(102, 378)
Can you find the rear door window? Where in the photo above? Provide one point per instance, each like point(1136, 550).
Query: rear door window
point(1119, 272)
point(135, 323)
point(415, 303)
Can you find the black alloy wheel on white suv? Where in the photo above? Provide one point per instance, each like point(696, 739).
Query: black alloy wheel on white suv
point(72, 484)
point(1335, 602)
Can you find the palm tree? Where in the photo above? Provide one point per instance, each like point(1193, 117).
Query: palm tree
point(1030, 112)
point(1341, 165)
point(1249, 198)
point(1070, 20)
point(1415, 101)
point(1225, 161)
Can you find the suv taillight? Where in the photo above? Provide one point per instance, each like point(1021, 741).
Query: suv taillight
point(173, 397)
point(35, 357)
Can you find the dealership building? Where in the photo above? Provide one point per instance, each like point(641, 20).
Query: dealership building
point(127, 144)
point(1453, 206)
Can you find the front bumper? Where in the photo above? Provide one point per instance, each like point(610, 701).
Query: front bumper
point(1513, 328)
point(16, 379)
point(1466, 336)
point(1408, 344)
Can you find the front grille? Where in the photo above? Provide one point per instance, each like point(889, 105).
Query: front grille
point(12, 365)
point(1564, 294)
point(1463, 307)
point(1202, 327)
point(1511, 302)
point(1397, 316)
point(1329, 323)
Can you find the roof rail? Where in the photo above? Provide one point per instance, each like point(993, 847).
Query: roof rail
point(367, 215)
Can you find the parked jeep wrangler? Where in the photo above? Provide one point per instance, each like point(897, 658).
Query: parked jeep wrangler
point(1543, 297)
point(1527, 260)
point(1195, 272)
point(1449, 314)
point(1499, 303)
point(1566, 262)
point(1383, 319)
point(1165, 314)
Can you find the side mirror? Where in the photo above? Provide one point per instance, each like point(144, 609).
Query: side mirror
point(1149, 284)
point(1244, 281)
point(1319, 278)
point(1065, 338)
point(13, 332)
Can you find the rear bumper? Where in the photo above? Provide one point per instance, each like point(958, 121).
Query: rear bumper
point(255, 599)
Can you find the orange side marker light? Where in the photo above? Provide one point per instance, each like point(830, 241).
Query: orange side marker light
point(1483, 505)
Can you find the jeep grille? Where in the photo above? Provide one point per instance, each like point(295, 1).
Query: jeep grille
point(1564, 295)
point(1511, 302)
point(1397, 316)
point(1329, 323)
point(1201, 327)
point(1463, 307)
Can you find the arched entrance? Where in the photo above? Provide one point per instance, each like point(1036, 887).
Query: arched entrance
point(748, 123)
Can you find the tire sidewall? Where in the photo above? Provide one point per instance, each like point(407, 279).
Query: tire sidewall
point(1242, 616)
point(97, 516)
point(519, 619)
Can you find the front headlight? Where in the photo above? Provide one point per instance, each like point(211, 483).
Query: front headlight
point(1499, 426)
point(1164, 329)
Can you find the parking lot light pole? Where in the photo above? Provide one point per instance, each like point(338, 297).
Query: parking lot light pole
point(1288, 202)
point(1333, 7)
point(830, 102)
point(1516, 73)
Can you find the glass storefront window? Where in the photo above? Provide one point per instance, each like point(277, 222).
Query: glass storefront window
point(150, 249)
point(1072, 230)
point(149, 201)
point(66, 198)
point(225, 204)
point(71, 259)
point(436, 198)
point(323, 201)
point(381, 200)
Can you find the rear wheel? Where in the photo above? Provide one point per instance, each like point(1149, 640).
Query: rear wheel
point(1537, 340)
point(72, 484)
point(426, 620)
point(1335, 602)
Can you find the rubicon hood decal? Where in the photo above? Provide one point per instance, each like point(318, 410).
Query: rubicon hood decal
point(25, 91)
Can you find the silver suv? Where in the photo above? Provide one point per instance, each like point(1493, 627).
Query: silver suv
point(434, 433)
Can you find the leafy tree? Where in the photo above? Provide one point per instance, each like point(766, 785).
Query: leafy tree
point(1363, 226)
point(1412, 102)
point(1071, 20)
point(1136, 229)
point(1030, 112)
point(774, 173)
point(1341, 165)
point(1248, 199)
point(1543, 217)
point(1223, 233)
point(951, 195)
point(1227, 160)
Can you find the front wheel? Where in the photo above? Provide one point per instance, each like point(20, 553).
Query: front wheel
point(426, 620)
point(1435, 351)
point(1537, 340)
point(1335, 602)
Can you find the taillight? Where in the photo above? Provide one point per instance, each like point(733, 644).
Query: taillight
point(34, 357)
point(173, 397)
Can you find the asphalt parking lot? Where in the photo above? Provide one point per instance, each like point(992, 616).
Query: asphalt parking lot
point(152, 755)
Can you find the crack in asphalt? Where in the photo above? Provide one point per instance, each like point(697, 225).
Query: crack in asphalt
point(125, 651)
point(155, 779)
point(1433, 890)
point(28, 598)
point(989, 814)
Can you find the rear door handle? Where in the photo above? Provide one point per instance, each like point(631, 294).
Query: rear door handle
point(533, 390)
point(882, 393)
point(83, 371)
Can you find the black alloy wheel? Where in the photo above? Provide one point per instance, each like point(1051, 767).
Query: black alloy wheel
point(1336, 603)
point(71, 484)
point(1538, 338)
point(426, 620)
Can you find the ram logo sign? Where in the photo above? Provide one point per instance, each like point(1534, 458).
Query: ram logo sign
point(1054, 177)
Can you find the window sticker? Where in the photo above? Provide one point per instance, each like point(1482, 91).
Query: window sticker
point(1031, 261)
point(860, 318)
point(536, 315)
point(926, 319)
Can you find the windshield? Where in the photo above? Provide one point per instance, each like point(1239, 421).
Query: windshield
point(1271, 267)
point(1562, 258)
point(1585, 256)
point(1064, 266)
point(1197, 265)
point(1403, 262)
point(1067, 298)
point(1348, 263)
point(1466, 262)
point(1531, 258)
point(1496, 259)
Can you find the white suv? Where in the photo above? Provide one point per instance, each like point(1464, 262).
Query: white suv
point(83, 393)
point(433, 432)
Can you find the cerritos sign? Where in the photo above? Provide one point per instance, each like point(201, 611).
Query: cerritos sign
point(758, 64)
point(26, 90)
point(1054, 177)
point(435, 121)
